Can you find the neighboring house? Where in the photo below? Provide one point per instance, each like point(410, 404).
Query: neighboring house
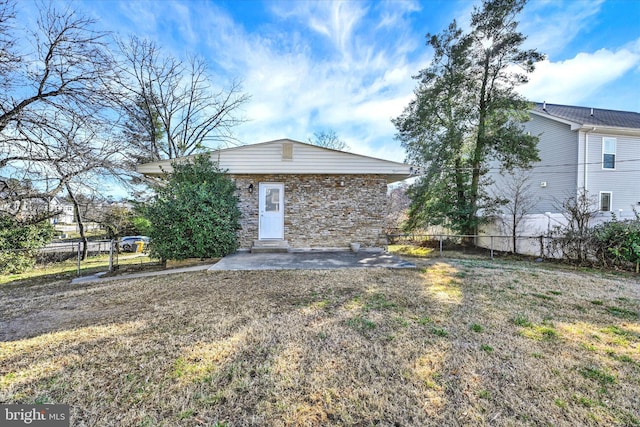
point(55, 209)
point(66, 215)
point(581, 148)
point(586, 148)
point(299, 196)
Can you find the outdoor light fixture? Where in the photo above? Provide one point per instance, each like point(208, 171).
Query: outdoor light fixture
point(250, 188)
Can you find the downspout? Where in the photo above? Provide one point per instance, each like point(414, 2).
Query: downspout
point(586, 156)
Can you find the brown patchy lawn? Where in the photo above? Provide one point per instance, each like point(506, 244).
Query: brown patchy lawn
point(457, 342)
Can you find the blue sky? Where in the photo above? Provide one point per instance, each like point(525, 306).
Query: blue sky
point(348, 66)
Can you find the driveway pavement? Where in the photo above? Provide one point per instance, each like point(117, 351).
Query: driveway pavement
point(309, 261)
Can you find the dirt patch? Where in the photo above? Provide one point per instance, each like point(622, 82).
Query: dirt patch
point(190, 262)
point(159, 266)
point(463, 342)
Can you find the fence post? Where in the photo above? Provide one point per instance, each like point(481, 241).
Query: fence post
point(440, 245)
point(111, 257)
point(541, 247)
point(79, 256)
point(491, 247)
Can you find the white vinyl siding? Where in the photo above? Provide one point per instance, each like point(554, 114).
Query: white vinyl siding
point(609, 153)
point(606, 201)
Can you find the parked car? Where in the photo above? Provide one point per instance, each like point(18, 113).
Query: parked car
point(128, 243)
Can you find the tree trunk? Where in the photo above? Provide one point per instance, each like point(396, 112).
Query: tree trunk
point(76, 211)
point(513, 234)
point(476, 161)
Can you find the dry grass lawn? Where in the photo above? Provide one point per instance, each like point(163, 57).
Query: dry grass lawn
point(456, 342)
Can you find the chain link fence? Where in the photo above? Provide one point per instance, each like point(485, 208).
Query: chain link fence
point(434, 245)
point(574, 250)
point(483, 246)
point(67, 258)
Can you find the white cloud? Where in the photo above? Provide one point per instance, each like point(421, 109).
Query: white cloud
point(295, 92)
point(576, 79)
point(335, 20)
point(393, 13)
point(316, 65)
point(552, 25)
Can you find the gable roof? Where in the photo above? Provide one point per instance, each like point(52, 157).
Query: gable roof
point(286, 156)
point(579, 117)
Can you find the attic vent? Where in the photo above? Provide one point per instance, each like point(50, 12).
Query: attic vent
point(287, 151)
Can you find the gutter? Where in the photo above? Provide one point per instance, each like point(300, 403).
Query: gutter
point(611, 129)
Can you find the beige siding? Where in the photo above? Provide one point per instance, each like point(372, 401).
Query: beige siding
point(267, 158)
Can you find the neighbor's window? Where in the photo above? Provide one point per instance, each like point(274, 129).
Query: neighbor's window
point(608, 153)
point(605, 201)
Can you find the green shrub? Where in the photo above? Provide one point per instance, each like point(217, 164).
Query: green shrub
point(195, 215)
point(617, 243)
point(19, 242)
point(121, 221)
point(141, 225)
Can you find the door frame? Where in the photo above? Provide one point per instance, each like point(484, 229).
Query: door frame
point(262, 188)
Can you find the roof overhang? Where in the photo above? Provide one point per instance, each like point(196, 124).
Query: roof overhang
point(263, 159)
point(573, 125)
point(610, 130)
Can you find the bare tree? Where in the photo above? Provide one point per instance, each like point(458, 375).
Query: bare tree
point(63, 80)
point(517, 201)
point(398, 202)
point(573, 239)
point(72, 153)
point(328, 139)
point(118, 220)
point(9, 59)
point(579, 210)
point(66, 71)
point(173, 107)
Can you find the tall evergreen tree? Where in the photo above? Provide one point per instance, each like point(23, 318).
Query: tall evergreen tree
point(466, 117)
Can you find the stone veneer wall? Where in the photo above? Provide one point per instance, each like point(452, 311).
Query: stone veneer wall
point(319, 212)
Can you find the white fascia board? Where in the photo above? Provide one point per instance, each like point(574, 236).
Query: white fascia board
point(611, 130)
point(574, 125)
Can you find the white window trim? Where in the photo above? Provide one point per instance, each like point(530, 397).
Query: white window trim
point(615, 153)
point(610, 201)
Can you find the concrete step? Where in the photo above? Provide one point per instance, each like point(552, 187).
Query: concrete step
point(269, 246)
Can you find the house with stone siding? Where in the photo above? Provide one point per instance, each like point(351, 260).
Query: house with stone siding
point(298, 196)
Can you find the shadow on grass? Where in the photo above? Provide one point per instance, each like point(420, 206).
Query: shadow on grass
point(433, 347)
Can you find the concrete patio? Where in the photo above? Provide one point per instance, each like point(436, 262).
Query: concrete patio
point(309, 260)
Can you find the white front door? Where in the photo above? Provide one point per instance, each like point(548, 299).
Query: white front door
point(271, 211)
